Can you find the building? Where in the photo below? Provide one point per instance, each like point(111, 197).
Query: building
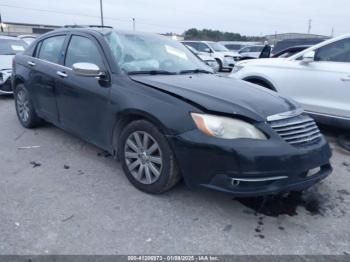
point(273, 39)
point(15, 29)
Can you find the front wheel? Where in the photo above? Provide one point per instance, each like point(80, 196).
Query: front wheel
point(24, 107)
point(220, 65)
point(147, 159)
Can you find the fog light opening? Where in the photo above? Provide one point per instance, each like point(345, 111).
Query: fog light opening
point(235, 182)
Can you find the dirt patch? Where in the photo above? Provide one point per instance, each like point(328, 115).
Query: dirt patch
point(312, 201)
point(35, 164)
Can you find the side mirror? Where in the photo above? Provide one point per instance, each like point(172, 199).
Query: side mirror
point(309, 57)
point(86, 69)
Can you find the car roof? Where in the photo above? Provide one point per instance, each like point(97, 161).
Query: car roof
point(7, 37)
point(313, 47)
point(102, 30)
point(197, 41)
point(96, 30)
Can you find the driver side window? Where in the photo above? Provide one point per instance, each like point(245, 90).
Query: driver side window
point(82, 50)
point(335, 52)
point(202, 47)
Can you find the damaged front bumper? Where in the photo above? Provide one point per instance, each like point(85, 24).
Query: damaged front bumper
point(246, 167)
point(5, 82)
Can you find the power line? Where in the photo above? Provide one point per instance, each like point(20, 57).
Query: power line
point(87, 15)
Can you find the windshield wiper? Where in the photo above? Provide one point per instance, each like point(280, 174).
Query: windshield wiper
point(151, 72)
point(195, 71)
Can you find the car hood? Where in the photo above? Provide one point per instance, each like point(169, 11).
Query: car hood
point(6, 61)
point(221, 94)
point(230, 53)
point(263, 61)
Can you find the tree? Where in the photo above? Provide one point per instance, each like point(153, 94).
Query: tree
point(216, 35)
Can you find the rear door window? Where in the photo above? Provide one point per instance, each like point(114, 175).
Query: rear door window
point(51, 49)
point(335, 52)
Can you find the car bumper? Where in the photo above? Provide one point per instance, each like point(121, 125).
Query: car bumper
point(245, 167)
point(229, 64)
point(5, 87)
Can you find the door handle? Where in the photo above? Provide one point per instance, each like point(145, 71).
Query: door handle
point(31, 63)
point(61, 74)
point(345, 79)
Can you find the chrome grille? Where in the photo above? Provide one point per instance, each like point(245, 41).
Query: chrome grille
point(298, 131)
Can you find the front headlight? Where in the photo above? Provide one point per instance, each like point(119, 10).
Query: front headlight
point(4, 75)
point(229, 58)
point(226, 128)
point(236, 68)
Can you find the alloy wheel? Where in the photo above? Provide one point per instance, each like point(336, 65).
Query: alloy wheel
point(23, 105)
point(143, 157)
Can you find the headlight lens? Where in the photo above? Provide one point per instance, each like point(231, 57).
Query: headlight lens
point(226, 128)
point(229, 58)
point(236, 68)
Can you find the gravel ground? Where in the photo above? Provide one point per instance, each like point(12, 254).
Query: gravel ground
point(68, 197)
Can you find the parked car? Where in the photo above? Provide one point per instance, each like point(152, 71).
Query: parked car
point(150, 102)
point(286, 43)
point(288, 52)
point(318, 78)
point(27, 38)
point(235, 46)
point(252, 52)
point(221, 54)
point(9, 46)
point(205, 58)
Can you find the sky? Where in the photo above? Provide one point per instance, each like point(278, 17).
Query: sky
point(247, 17)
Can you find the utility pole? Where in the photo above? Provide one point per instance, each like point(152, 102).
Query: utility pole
point(309, 28)
point(133, 24)
point(332, 34)
point(101, 9)
point(2, 29)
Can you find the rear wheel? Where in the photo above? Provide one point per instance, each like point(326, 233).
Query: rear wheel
point(24, 107)
point(147, 159)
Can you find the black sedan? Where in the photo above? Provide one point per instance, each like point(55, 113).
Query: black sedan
point(152, 104)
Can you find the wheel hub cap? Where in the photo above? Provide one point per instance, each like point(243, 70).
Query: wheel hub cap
point(143, 157)
point(23, 105)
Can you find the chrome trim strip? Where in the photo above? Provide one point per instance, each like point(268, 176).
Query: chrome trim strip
point(259, 179)
point(326, 115)
point(298, 126)
point(294, 123)
point(298, 131)
point(285, 115)
point(301, 136)
point(309, 139)
point(6, 92)
point(48, 62)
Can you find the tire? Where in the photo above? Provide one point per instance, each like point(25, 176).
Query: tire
point(24, 107)
point(138, 156)
point(220, 65)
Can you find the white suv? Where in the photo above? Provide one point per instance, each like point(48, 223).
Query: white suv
point(225, 58)
point(318, 78)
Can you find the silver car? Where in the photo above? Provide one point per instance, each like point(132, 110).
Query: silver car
point(9, 47)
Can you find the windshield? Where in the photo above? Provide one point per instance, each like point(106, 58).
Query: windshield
point(233, 47)
point(138, 53)
point(11, 46)
point(218, 47)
